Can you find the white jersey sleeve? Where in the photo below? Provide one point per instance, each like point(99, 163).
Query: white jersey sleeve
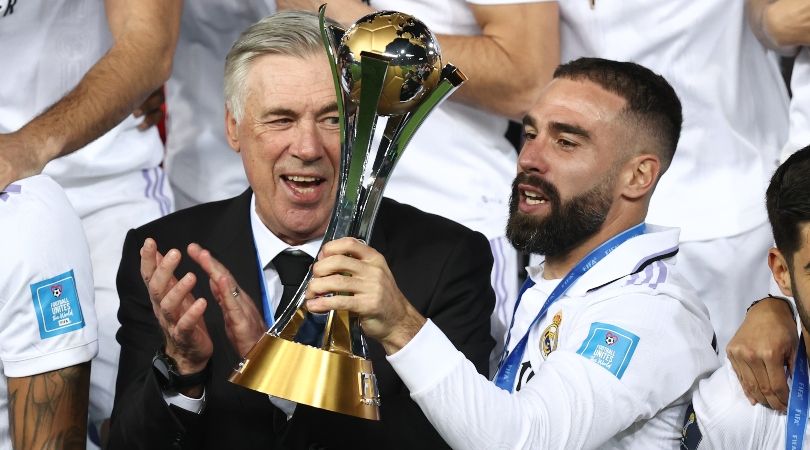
point(727, 420)
point(572, 402)
point(46, 281)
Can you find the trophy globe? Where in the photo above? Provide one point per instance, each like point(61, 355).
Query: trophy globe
point(415, 59)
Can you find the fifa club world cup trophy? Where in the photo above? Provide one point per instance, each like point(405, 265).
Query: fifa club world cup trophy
point(386, 66)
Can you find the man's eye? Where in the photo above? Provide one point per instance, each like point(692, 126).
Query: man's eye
point(332, 120)
point(565, 143)
point(529, 135)
point(279, 121)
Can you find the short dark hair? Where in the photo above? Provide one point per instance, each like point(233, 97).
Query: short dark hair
point(788, 202)
point(651, 101)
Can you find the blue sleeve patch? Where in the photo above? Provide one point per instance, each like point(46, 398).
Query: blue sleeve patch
point(56, 305)
point(609, 346)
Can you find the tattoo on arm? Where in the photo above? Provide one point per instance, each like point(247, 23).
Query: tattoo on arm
point(49, 411)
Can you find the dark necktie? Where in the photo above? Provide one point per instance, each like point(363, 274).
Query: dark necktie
point(292, 267)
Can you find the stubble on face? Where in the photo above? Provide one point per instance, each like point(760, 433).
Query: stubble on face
point(569, 224)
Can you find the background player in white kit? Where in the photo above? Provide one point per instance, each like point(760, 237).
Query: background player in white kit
point(725, 419)
point(759, 358)
point(47, 320)
point(74, 70)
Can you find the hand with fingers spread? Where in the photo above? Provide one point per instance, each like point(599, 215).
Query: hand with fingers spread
point(243, 321)
point(362, 283)
point(180, 315)
point(764, 344)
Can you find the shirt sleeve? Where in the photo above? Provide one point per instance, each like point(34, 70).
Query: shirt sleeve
point(727, 420)
point(571, 402)
point(46, 287)
point(469, 411)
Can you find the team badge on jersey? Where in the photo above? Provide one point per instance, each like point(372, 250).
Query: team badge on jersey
point(56, 304)
point(610, 347)
point(548, 340)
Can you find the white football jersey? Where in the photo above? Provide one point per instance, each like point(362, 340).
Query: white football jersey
point(612, 364)
point(46, 286)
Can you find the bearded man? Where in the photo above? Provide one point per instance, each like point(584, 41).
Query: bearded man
point(606, 340)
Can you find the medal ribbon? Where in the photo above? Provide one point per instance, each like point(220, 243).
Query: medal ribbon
point(510, 361)
point(798, 401)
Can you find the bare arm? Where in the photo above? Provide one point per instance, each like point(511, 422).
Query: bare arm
point(49, 410)
point(780, 24)
point(139, 61)
point(508, 64)
point(511, 61)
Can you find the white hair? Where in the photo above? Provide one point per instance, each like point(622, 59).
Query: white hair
point(290, 33)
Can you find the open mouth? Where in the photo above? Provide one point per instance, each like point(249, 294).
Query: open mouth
point(533, 198)
point(301, 183)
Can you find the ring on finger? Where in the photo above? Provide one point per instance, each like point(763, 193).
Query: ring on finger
point(235, 292)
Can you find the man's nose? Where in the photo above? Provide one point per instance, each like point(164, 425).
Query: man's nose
point(534, 156)
point(308, 145)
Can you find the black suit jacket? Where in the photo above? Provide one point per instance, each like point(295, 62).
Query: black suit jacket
point(442, 267)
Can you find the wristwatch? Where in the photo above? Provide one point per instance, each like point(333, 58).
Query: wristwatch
point(169, 379)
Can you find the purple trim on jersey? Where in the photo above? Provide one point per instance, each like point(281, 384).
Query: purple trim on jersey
point(652, 275)
point(653, 256)
point(151, 189)
point(154, 192)
point(662, 274)
point(145, 173)
point(164, 201)
point(10, 189)
point(649, 272)
point(641, 277)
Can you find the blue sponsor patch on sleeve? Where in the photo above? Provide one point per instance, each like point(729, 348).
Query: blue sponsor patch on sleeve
point(610, 347)
point(56, 305)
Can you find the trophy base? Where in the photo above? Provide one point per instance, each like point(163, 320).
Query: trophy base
point(333, 381)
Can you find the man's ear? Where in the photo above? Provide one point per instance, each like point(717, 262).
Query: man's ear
point(780, 270)
point(231, 129)
point(640, 175)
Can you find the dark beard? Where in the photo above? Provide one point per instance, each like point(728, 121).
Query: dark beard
point(568, 225)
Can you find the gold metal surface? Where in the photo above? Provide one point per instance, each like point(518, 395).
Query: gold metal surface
point(293, 325)
point(337, 336)
point(329, 380)
point(415, 66)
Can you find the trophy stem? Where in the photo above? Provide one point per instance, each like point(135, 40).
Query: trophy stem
point(391, 148)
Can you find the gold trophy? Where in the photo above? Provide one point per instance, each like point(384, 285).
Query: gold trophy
point(386, 64)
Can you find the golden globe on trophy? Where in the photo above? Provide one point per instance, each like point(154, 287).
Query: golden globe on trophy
point(387, 64)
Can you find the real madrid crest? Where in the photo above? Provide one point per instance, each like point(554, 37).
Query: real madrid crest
point(548, 340)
